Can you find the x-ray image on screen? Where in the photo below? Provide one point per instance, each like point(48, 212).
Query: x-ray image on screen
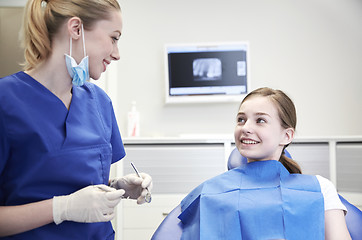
point(207, 69)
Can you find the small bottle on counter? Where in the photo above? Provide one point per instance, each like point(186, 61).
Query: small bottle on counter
point(133, 121)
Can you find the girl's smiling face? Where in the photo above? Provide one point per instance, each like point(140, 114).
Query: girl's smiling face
point(258, 132)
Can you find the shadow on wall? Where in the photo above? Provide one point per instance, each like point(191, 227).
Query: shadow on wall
point(11, 52)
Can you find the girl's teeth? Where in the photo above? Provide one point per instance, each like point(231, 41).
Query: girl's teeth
point(249, 142)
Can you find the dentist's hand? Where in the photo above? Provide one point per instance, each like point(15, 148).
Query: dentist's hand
point(94, 203)
point(134, 186)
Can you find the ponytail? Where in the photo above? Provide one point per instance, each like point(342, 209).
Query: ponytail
point(36, 36)
point(291, 165)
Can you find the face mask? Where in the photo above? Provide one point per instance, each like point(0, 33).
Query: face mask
point(78, 72)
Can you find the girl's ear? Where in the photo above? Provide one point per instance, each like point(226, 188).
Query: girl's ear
point(288, 136)
point(74, 27)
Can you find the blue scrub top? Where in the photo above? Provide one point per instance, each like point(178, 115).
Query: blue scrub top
point(47, 151)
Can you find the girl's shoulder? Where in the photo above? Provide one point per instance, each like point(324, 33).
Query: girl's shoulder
point(329, 191)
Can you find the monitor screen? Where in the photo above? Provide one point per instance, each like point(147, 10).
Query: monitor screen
point(206, 72)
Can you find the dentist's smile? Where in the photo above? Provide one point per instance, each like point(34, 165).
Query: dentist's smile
point(105, 64)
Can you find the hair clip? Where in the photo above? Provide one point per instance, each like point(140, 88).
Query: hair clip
point(44, 4)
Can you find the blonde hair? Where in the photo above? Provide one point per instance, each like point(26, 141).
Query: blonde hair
point(287, 115)
point(43, 18)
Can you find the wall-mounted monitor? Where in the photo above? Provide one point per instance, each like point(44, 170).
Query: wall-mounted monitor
point(207, 72)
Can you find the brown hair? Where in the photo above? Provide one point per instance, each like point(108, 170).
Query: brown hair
point(43, 18)
point(287, 115)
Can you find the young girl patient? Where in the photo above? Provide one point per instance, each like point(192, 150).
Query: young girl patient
point(267, 198)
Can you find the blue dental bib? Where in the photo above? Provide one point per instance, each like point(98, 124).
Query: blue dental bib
point(260, 200)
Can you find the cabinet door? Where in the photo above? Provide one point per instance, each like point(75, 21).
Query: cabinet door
point(176, 169)
point(349, 167)
point(141, 221)
point(313, 158)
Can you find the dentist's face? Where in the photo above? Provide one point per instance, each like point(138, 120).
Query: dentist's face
point(101, 43)
point(258, 132)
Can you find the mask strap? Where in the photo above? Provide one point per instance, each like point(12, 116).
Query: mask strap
point(83, 41)
point(70, 44)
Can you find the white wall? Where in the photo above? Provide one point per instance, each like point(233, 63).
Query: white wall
point(311, 49)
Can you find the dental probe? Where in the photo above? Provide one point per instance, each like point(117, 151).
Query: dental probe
point(148, 197)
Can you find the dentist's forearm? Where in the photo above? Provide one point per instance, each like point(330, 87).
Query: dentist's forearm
point(22, 218)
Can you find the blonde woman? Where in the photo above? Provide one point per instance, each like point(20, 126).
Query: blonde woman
point(58, 132)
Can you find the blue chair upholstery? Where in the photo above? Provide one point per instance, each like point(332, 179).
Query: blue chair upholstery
point(353, 219)
point(236, 159)
point(171, 226)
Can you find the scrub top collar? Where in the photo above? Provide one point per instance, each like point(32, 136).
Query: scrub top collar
point(45, 90)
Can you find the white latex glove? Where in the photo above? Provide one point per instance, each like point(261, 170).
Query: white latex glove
point(134, 186)
point(94, 203)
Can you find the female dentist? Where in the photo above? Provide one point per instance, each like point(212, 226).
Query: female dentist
point(58, 132)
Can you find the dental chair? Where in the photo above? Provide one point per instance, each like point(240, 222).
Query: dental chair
point(171, 226)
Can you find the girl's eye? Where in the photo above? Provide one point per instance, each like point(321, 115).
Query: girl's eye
point(240, 120)
point(260, 120)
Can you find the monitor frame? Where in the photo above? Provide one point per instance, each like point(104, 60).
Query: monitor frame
point(202, 47)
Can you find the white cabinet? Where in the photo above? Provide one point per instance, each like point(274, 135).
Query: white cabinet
point(176, 168)
point(313, 158)
point(349, 167)
point(141, 221)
